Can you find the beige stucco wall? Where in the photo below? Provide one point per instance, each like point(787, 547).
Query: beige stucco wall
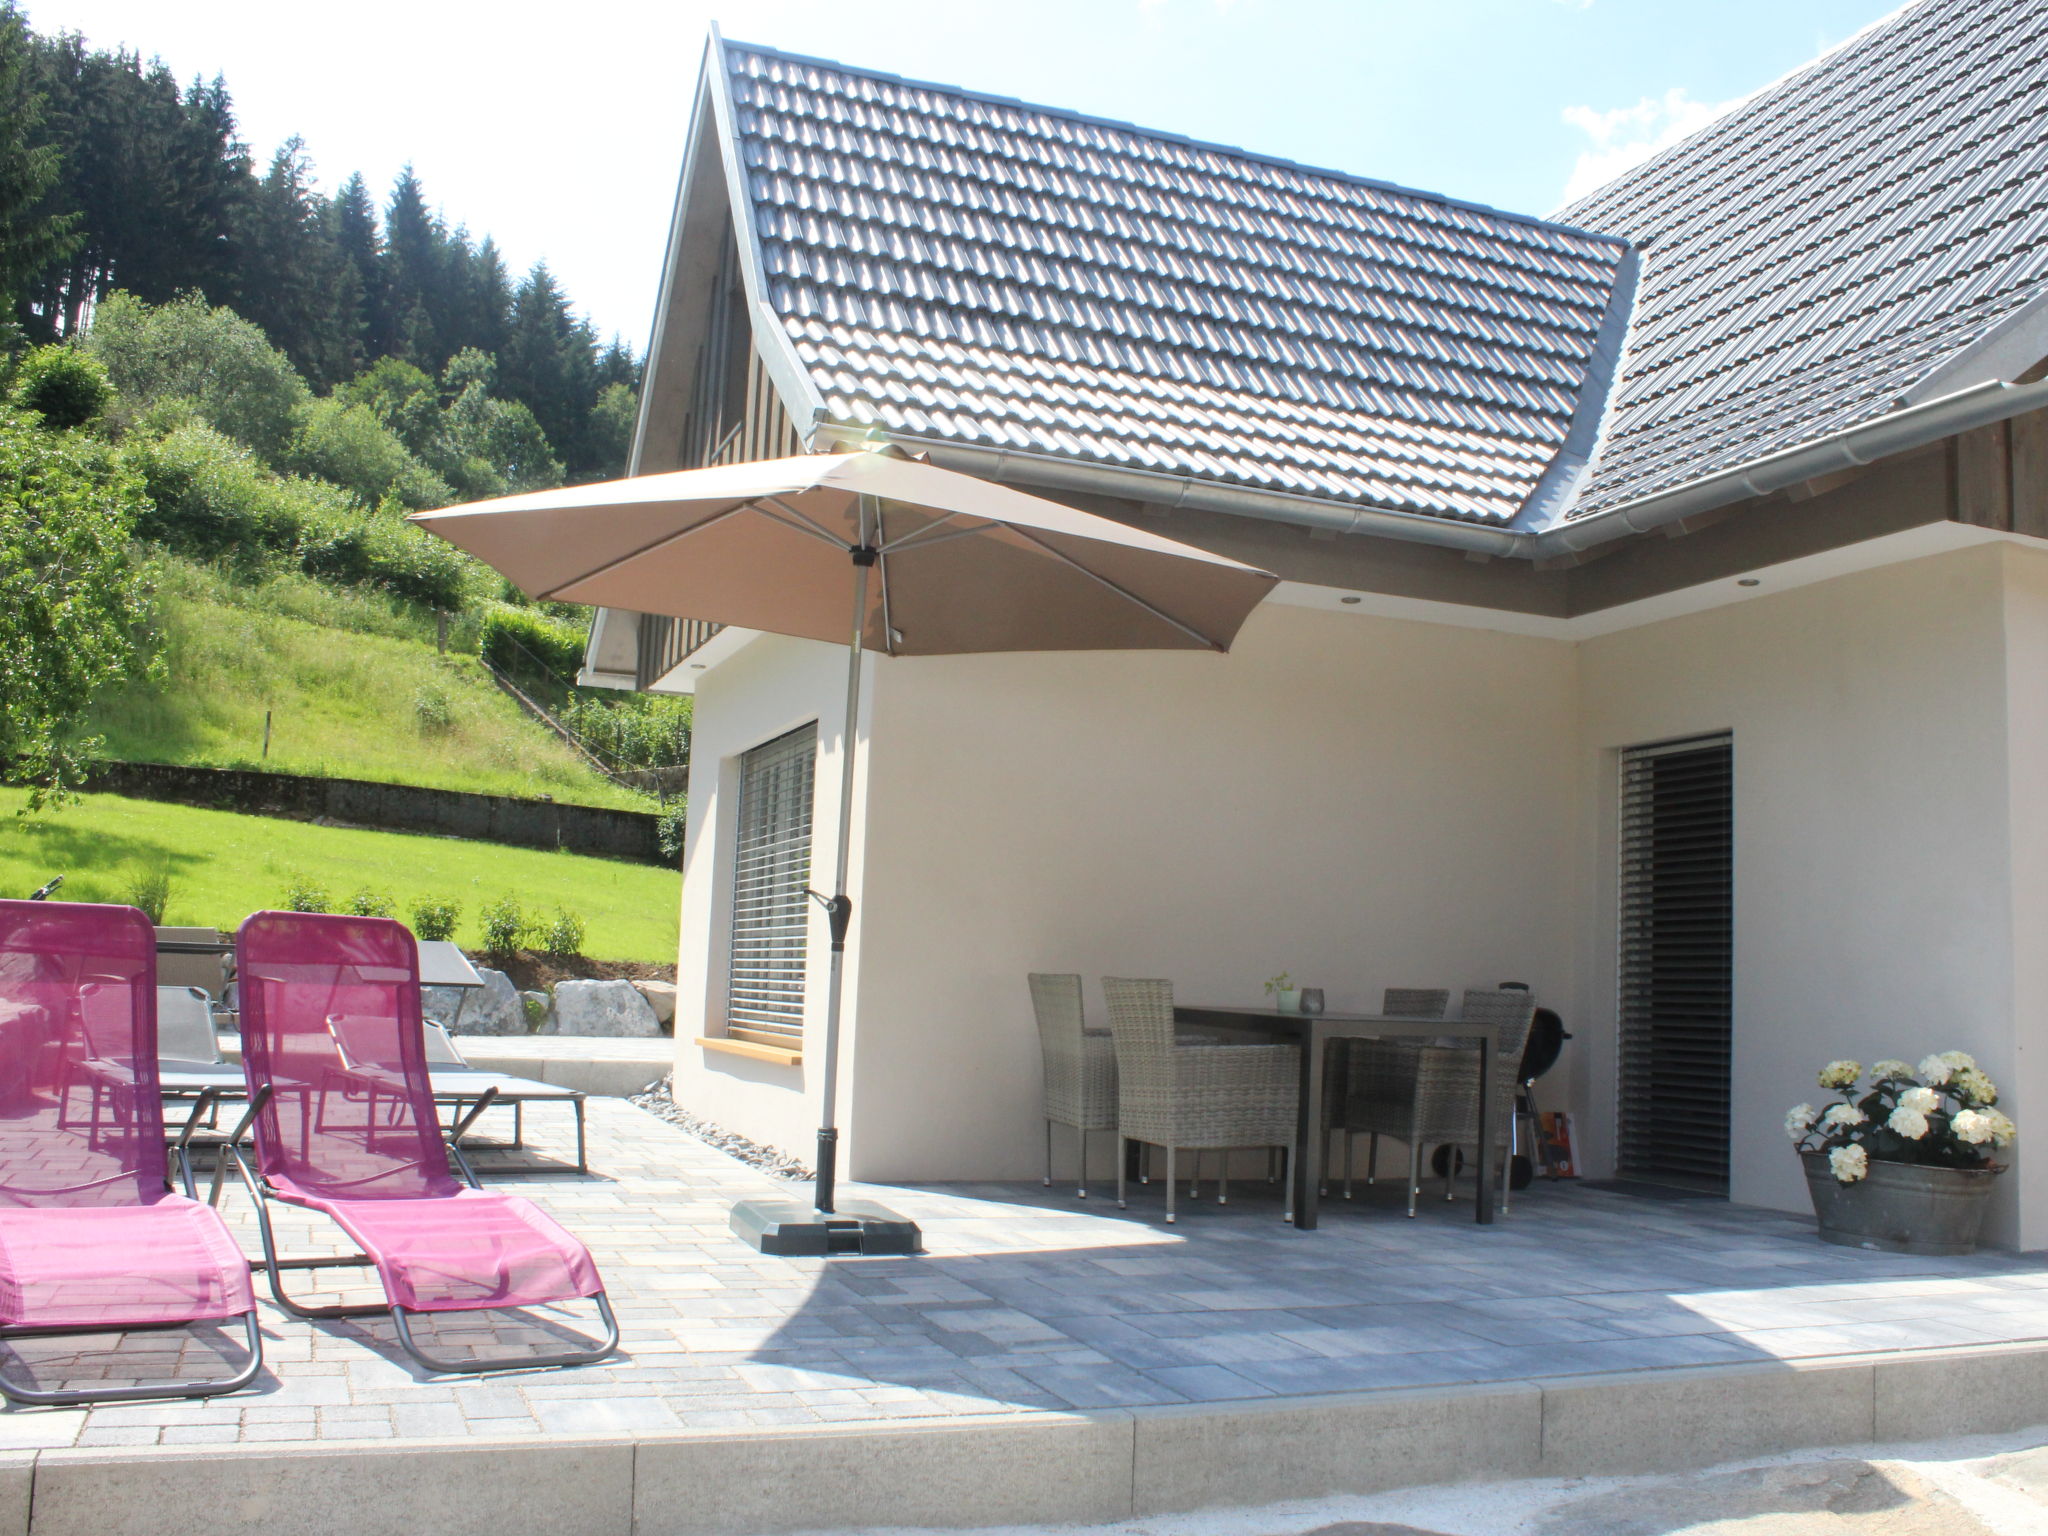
point(1368, 802)
point(771, 686)
point(1873, 890)
point(1361, 802)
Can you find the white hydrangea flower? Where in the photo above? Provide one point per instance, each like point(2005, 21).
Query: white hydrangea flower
point(1973, 1085)
point(1840, 1074)
point(1799, 1120)
point(1892, 1071)
point(1934, 1070)
point(1848, 1164)
point(2002, 1128)
point(1971, 1125)
point(1909, 1123)
point(1959, 1061)
point(1843, 1114)
point(1922, 1100)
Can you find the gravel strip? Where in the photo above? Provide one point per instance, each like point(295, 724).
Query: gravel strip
point(660, 1102)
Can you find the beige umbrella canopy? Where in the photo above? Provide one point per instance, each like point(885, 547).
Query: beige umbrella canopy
point(940, 564)
point(964, 565)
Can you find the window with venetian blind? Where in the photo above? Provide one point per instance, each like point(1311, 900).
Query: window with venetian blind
point(770, 913)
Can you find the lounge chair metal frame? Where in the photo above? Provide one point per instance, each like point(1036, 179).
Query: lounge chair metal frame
point(261, 1193)
point(60, 1397)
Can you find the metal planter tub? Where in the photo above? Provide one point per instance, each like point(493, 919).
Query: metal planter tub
point(1900, 1207)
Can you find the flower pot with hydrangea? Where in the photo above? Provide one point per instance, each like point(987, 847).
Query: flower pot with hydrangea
point(1904, 1160)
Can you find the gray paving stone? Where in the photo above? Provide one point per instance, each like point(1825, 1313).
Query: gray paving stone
point(1045, 1303)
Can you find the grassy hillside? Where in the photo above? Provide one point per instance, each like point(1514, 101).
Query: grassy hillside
point(354, 685)
point(222, 867)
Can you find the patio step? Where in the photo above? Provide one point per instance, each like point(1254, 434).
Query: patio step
point(1033, 1468)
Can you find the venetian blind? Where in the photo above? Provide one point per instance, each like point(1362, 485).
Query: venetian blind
point(1677, 932)
point(770, 913)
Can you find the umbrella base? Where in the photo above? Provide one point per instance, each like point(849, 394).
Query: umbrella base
point(792, 1229)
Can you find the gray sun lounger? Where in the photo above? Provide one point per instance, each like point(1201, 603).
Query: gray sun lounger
point(190, 1064)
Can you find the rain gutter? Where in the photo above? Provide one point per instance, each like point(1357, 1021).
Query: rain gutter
point(1897, 432)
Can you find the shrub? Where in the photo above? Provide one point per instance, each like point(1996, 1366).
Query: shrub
point(72, 605)
point(536, 1006)
point(561, 934)
point(634, 730)
point(668, 832)
point(346, 443)
point(431, 711)
point(63, 386)
point(302, 895)
point(503, 926)
point(150, 891)
point(519, 640)
point(226, 367)
point(369, 903)
point(433, 919)
point(210, 498)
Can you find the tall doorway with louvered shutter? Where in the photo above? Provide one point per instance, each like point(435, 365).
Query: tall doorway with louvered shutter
point(1676, 973)
point(764, 989)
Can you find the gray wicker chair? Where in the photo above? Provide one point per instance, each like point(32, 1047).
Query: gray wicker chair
point(1080, 1068)
point(1442, 1107)
point(1209, 1097)
point(1368, 1084)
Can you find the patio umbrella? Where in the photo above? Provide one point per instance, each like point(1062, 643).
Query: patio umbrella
point(871, 549)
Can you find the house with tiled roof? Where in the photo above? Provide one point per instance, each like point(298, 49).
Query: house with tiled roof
point(1662, 613)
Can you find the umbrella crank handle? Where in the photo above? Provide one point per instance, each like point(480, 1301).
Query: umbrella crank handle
point(838, 914)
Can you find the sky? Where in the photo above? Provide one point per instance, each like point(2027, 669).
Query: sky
point(559, 129)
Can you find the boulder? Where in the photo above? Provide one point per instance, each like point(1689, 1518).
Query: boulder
point(601, 1008)
point(440, 1004)
point(661, 997)
point(537, 1006)
point(493, 1010)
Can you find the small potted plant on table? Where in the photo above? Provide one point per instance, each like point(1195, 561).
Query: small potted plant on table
point(1905, 1164)
point(1286, 996)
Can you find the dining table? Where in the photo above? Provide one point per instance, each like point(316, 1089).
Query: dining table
point(1314, 1032)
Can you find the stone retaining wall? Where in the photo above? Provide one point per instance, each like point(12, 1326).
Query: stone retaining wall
point(633, 835)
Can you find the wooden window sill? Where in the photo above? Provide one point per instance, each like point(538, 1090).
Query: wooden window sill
point(732, 1047)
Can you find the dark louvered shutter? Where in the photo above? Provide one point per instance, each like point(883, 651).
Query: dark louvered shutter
point(1677, 931)
point(770, 913)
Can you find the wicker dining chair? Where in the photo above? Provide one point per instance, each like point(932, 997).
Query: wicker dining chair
point(1442, 1108)
point(1187, 1097)
point(1367, 1083)
point(1080, 1068)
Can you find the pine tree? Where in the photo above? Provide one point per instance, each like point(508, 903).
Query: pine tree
point(351, 226)
point(547, 366)
point(413, 239)
point(33, 235)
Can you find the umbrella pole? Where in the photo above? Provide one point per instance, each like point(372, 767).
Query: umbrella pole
point(839, 910)
point(785, 1228)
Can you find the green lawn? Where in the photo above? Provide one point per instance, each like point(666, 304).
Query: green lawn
point(224, 866)
point(354, 686)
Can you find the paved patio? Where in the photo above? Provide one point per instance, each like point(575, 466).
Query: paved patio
point(1030, 1300)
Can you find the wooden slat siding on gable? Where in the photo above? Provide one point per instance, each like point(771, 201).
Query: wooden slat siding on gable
point(2028, 444)
point(1983, 478)
point(761, 429)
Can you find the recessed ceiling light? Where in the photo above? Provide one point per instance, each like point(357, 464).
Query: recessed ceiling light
point(1349, 599)
point(1749, 581)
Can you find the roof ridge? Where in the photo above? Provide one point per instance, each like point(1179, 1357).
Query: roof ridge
point(731, 45)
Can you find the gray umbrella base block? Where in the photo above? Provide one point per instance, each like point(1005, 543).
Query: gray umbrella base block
point(792, 1229)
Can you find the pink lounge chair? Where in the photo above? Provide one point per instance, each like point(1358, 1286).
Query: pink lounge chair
point(350, 1130)
point(92, 1238)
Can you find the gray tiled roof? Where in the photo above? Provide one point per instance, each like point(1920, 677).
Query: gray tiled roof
point(959, 267)
point(1813, 254)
